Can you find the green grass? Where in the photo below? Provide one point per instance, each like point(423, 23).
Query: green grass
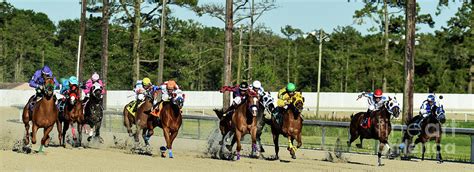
point(454, 147)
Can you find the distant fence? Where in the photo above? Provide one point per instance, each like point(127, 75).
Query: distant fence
point(453, 103)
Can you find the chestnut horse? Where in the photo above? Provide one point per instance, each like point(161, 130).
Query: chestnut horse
point(73, 113)
point(381, 128)
point(170, 120)
point(430, 129)
point(244, 121)
point(140, 119)
point(290, 128)
point(43, 115)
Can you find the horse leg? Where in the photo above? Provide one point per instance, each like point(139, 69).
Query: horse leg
point(253, 134)
point(379, 154)
point(33, 133)
point(275, 142)
point(60, 134)
point(166, 134)
point(65, 128)
point(97, 130)
point(423, 150)
point(353, 136)
point(126, 123)
point(438, 149)
point(238, 135)
point(260, 126)
point(360, 145)
point(145, 136)
point(45, 139)
point(172, 137)
point(26, 140)
point(291, 147)
point(79, 132)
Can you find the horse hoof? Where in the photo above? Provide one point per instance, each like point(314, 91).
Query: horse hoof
point(440, 162)
point(380, 165)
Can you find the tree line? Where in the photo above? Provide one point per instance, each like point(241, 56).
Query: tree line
point(351, 61)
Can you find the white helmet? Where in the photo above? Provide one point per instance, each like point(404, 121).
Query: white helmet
point(257, 84)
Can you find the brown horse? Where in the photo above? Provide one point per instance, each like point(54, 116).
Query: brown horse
point(244, 121)
point(140, 119)
point(43, 115)
point(430, 129)
point(381, 128)
point(170, 120)
point(72, 113)
point(290, 128)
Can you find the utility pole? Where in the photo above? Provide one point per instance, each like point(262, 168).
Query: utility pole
point(162, 42)
point(229, 24)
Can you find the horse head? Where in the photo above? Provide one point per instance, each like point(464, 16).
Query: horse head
point(73, 94)
point(298, 103)
point(49, 86)
point(96, 90)
point(393, 107)
point(438, 113)
point(253, 101)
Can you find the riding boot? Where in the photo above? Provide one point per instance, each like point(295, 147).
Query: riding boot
point(230, 109)
point(135, 107)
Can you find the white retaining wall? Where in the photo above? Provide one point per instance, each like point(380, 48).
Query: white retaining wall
point(459, 103)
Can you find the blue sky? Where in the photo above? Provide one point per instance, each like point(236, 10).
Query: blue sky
point(307, 15)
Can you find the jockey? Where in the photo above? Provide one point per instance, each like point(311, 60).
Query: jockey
point(64, 85)
point(170, 88)
point(239, 94)
point(375, 101)
point(285, 97)
point(38, 80)
point(90, 83)
point(267, 100)
point(426, 106)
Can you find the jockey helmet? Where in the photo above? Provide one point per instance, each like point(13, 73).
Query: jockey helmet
point(73, 80)
point(95, 77)
point(171, 85)
point(146, 81)
point(431, 98)
point(290, 87)
point(378, 93)
point(243, 86)
point(257, 84)
point(46, 70)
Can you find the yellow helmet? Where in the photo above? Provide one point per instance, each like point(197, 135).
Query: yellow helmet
point(146, 81)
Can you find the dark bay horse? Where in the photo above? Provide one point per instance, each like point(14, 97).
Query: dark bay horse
point(381, 128)
point(290, 128)
point(94, 112)
point(140, 119)
point(73, 113)
point(429, 129)
point(170, 120)
point(43, 115)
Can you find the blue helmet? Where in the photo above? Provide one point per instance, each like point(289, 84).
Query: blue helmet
point(46, 70)
point(73, 80)
point(431, 98)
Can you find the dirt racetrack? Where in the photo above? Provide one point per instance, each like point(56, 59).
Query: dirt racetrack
point(189, 156)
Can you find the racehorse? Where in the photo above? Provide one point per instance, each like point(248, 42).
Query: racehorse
point(72, 113)
point(430, 129)
point(170, 120)
point(225, 126)
point(139, 118)
point(43, 115)
point(244, 121)
point(290, 127)
point(380, 131)
point(94, 112)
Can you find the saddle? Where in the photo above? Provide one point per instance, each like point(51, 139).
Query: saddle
point(132, 105)
point(157, 111)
